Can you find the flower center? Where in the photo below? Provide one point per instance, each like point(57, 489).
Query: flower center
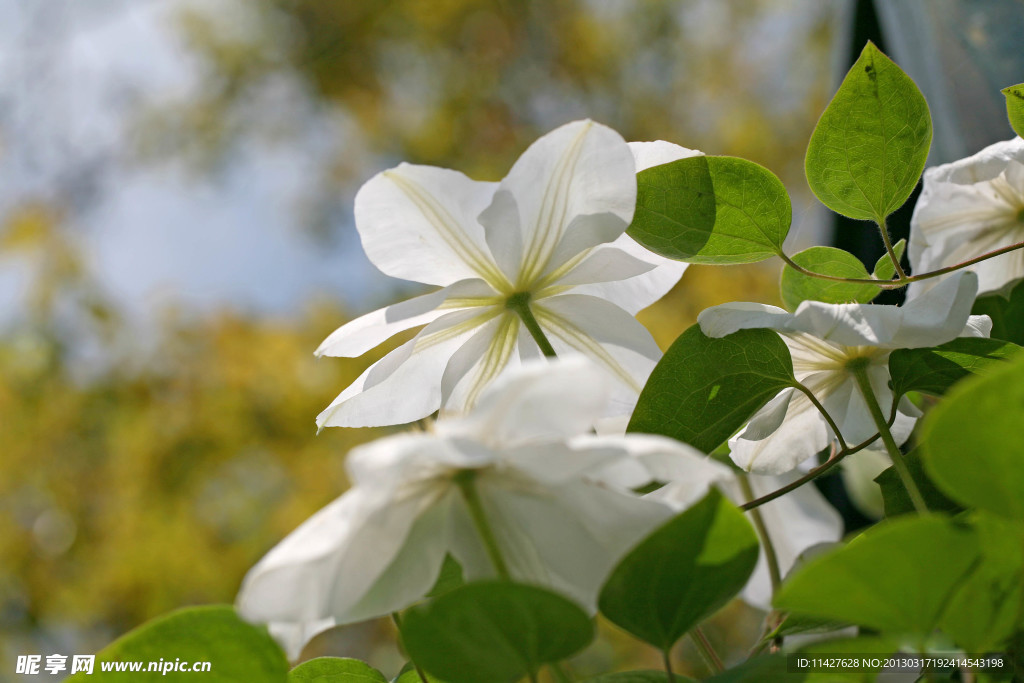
point(518, 301)
point(857, 363)
point(1020, 216)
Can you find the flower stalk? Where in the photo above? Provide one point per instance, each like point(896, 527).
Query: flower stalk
point(466, 481)
point(864, 384)
point(884, 230)
point(519, 303)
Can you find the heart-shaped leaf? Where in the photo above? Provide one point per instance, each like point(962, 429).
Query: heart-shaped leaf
point(870, 145)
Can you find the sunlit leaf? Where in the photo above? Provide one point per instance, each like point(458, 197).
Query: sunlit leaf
point(494, 631)
point(1015, 107)
point(704, 388)
point(682, 573)
point(986, 610)
point(335, 670)
point(972, 442)
point(868, 150)
point(797, 287)
point(877, 579)
point(236, 650)
point(707, 209)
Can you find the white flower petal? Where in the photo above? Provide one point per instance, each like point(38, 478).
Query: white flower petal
point(484, 357)
point(293, 636)
point(542, 400)
point(420, 223)
point(967, 208)
point(405, 385)
point(327, 565)
point(580, 169)
point(414, 570)
point(639, 291)
point(932, 319)
point(556, 463)
point(802, 433)
point(649, 154)
point(977, 326)
point(603, 264)
point(723, 320)
point(577, 323)
point(859, 471)
point(568, 538)
point(358, 336)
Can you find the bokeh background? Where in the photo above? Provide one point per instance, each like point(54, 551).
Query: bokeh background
point(176, 238)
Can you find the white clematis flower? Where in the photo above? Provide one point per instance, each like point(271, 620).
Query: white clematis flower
point(967, 208)
point(380, 546)
point(823, 340)
point(549, 239)
point(794, 522)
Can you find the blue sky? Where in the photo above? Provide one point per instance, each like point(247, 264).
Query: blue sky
point(156, 234)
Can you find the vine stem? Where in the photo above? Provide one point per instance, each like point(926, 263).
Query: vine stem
point(860, 373)
point(711, 657)
point(884, 229)
point(519, 303)
point(771, 558)
point(466, 481)
point(824, 413)
point(666, 657)
point(907, 279)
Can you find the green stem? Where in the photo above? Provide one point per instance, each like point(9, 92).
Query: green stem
point(397, 618)
point(769, 549)
point(884, 229)
point(520, 304)
point(821, 469)
point(771, 557)
point(711, 657)
point(860, 373)
point(906, 279)
point(465, 480)
point(824, 413)
point(666, 657)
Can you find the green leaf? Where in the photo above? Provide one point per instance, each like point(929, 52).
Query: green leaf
point(494, 631)
point(682, 573)
point(934, 370)
point(797, 287)
point(1006, 311)
point(885, 269)
point(985, 611)
point(707, 209)
point(796, 624)
point(410, 675)
point(894, 494)
point(1015, 107)
point(449, 579)
point(645, 676)
point(972, 442)
point(704, 389)
point(878, 580)
point(236, 650)
point(335, 670)
point(868, 150)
